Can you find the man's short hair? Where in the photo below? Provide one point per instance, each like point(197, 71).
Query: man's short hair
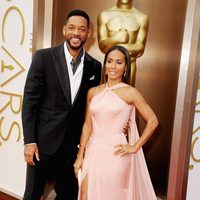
point(79, 13)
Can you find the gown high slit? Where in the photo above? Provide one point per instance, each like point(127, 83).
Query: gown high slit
point(113, 177)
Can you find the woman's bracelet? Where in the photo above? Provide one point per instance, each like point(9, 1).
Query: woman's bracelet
point(80, 145)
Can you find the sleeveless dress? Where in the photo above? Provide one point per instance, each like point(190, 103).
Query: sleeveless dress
point(113, 177)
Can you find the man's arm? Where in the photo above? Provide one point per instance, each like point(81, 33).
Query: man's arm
point(98, 73)
point(32, 92)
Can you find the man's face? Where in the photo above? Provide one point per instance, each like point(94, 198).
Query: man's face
point(76, 32)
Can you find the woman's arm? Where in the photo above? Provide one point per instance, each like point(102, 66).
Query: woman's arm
point(148, 115)
point(85, 135)
point(135, 98)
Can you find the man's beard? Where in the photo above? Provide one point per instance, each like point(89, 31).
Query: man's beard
point(75, 47)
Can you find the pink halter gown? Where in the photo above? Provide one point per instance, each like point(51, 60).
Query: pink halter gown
point(113, 177)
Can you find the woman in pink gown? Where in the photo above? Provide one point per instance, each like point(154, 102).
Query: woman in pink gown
point(113, 168)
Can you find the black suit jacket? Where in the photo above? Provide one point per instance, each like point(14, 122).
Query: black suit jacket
point(47, 113)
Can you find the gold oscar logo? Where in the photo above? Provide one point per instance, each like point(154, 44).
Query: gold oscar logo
point(195, 141)
point(11, 67)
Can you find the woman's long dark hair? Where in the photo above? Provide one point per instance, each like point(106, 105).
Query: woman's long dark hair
point(127, 62)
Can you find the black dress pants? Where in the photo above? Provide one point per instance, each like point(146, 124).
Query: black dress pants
point(59, 168)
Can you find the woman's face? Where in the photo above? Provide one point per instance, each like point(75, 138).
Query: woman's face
point(115, 65)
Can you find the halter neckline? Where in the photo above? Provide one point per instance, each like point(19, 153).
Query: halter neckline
point(115, 86)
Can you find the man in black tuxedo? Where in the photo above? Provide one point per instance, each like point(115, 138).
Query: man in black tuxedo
point(54, 107)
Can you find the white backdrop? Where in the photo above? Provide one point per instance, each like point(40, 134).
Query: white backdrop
point(16, 22)
point(193, 191)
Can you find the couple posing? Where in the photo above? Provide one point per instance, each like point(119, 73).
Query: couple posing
point(62, 99)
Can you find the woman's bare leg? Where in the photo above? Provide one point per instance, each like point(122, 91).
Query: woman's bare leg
point(84, 188)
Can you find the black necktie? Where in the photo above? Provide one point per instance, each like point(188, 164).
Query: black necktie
point(74, 66)
point(76, 63)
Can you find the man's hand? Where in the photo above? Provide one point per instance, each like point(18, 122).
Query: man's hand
point(29, 151)
point(125, 130)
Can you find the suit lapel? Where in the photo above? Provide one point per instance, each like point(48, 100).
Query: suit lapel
point(62, 71)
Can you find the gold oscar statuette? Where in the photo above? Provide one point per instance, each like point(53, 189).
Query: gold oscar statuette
point(126, 26)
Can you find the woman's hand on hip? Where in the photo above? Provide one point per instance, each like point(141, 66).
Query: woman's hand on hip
point(123, 149)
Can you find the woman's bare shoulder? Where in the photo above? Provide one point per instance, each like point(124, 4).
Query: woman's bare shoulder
point(131, 90)
point(95, 90)
point(131, 94)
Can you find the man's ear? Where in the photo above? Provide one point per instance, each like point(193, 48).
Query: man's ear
point(64, 30)
point(89, 33)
